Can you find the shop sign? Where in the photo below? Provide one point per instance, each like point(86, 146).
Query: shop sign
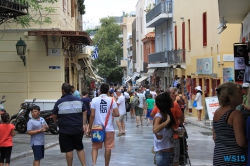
point(212, 104)
point(228, 74)
point(204, 66)
point(239, 62)
point(228, 57)
point(54, 51)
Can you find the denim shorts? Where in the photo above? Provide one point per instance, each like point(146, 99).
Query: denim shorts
point(164, 158)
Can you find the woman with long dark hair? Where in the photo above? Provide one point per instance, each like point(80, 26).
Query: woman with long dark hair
point(163, 125)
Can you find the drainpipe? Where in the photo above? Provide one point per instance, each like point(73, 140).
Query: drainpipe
point(70, 72)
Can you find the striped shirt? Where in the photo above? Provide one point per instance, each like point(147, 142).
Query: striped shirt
point(69, 110)
point(226, 151)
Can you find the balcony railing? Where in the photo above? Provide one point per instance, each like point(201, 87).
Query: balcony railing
point(174, 57)
point(162, 7)
point(159, 57)
point(177, 57)
point(12, 9)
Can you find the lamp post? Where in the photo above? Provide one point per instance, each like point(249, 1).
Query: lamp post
point(21, 49)
point(84, 77)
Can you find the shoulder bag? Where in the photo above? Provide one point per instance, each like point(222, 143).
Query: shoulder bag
point(98, 131)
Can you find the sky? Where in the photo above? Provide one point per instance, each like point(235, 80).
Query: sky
point(96, 9)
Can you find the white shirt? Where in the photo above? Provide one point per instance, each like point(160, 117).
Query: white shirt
point(142, 98)
point(153, 94)
point(198, 99)
point(101, 104)
point(126, 95)
point(121, 107)
point(167, 140)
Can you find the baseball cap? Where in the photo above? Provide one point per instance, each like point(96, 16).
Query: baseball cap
point(119, 90)
point(111, 90)
point(245, 85)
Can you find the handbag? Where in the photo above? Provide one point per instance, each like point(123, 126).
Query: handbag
point(98, 131)
point(194, 104)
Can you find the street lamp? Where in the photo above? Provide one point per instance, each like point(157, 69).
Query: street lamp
point(21, 49)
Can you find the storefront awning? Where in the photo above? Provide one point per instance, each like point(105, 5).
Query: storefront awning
point(135, 75)
point(151, 71)
point(92, 74)
point(141, 79)
point(128, 79)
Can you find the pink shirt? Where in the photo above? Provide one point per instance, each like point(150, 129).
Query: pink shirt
point(5, 135)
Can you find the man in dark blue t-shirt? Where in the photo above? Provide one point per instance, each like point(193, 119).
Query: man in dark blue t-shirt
point(86, 101)
point(70, 114)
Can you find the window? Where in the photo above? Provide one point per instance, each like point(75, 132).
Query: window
point(164, 42)
point(72, 8)
point(189, 35)
point(175, 37)
point(183, 35)
point(204, 24)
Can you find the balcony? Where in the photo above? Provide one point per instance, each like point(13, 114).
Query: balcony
point(10, 9)
point(123, 63)
point(159, 14)
point(170, 58)
point(177, 57)
point(159, 57)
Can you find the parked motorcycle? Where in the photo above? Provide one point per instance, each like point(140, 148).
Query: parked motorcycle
point(13, 118)
point(22, 119)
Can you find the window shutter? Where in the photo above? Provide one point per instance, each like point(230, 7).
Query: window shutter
point(204, 22)
point(175, 37)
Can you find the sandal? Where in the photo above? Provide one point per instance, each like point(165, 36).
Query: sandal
point(123, 133)
point(118, 135)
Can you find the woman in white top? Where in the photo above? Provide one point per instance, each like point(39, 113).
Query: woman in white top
point(198, 99)
point(152, 92)
point(163, 131)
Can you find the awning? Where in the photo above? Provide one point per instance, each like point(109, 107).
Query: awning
point(151, 71)
point(92, 74)
point(128, 79)
point(135, 75)
point(141, 79)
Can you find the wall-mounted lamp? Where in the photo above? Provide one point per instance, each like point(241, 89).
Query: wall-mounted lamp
point(182, 18)
point(174, 22)
point(21, 49)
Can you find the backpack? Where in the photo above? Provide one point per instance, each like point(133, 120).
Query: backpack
point(127, 105)
point(147, 94)
point(135, 101)
point(181, 102)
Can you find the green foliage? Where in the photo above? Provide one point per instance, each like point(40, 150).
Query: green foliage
point(35, 8)
point(110, 51)
point(81, 7)
point(91, 30)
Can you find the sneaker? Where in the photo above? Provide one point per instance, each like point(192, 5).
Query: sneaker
point(137, 125)
point(148, 123)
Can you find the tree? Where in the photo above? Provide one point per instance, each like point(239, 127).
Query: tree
point(39, 14)
point(110, 51)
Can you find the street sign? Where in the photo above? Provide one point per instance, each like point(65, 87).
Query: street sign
point(212, 104)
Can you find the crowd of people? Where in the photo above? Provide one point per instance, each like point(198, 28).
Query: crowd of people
point(76, 114)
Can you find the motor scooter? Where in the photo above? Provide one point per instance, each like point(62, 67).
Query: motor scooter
point(23, 117)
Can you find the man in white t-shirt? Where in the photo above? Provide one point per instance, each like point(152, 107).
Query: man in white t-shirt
point(122, 111)
point(99, 108)
point(139, 109)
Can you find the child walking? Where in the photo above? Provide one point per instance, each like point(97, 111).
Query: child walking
point(36, 128)
point(6, 133)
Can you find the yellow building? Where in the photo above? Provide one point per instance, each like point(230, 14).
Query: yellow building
point(197, 33)
point(55, 54)
point(188, 45)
